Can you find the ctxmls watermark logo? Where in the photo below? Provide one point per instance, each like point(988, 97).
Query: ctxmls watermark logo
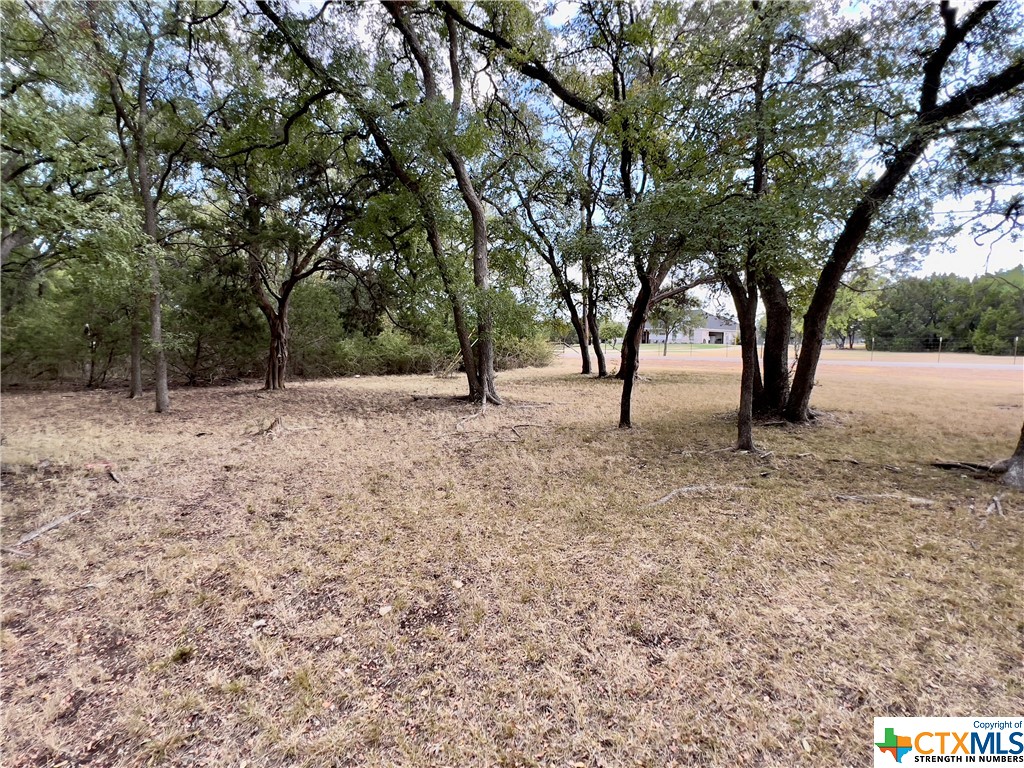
point(930, 740)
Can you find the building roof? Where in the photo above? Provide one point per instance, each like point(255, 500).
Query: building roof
point(711, 323)
point(715, 323)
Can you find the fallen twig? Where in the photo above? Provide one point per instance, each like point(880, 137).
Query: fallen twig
point(687, 490)
point(460, 422)
point(50, 526)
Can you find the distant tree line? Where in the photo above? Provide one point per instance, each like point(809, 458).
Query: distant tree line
point(982, 315)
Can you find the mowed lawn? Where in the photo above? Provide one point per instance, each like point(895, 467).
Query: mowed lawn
point(388, 576)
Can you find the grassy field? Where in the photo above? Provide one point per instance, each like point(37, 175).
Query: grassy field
point(387, 576)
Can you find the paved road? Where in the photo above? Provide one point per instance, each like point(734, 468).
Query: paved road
point(612, 356)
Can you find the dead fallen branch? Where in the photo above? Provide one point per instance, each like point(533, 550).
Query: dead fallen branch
point(277, 427)
point(50, 526)
point(692, 490)
point(914, 501)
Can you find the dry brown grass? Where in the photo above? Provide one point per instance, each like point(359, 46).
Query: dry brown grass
point(386, 581)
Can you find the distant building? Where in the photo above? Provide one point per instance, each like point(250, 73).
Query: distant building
point(713, 330)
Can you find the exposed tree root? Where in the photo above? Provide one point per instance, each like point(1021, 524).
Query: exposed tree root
point(1008, 472)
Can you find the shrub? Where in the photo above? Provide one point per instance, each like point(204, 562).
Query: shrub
point(392, 352)
point(533, 352)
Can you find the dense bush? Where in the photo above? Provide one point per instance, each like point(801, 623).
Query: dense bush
point(532, 352)
point(215, 332)
point(391, 352)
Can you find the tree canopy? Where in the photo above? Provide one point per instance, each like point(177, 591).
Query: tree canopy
point(187, 182)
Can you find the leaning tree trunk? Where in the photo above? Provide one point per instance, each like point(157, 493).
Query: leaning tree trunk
point(570, 304)
point(465, 344)
point(487, 391)
point(631, 350)
point(135, 389)
point(595, 339)
point(778, 330)
point(1014, 475)
point(454, 300)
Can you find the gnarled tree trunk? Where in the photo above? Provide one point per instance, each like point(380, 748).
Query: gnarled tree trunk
point(778, 316)
point(277, 357)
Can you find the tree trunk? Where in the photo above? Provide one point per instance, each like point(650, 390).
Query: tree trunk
point(458, 312)
point(798, 406)
point(277, 358)
point(1014, 475)
point(156, 334)
point(745, 299)
point(135, 387)
point(776, 347)
point(486, 390)
point(630, 364)
point(481, 280)
point(595, 339)
point(581, 336)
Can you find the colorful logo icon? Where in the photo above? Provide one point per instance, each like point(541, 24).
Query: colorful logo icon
point(897, 746)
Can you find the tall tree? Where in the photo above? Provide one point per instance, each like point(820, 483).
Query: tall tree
point(967, 76)
point(132, 54)
point(650, 82)
point(440, 120)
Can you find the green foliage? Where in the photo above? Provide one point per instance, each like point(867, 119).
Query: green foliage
point(64, 331)
point(392, 352)
point(611, 329)
point(675, 314)
point(530, 352)
point(982, 315)
point(279, 188)
point(217, 332)
point(853, 306)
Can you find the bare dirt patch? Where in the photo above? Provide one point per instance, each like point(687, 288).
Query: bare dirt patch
point(390, 578)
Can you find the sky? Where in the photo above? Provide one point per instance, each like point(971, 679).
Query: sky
point(966, 256)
